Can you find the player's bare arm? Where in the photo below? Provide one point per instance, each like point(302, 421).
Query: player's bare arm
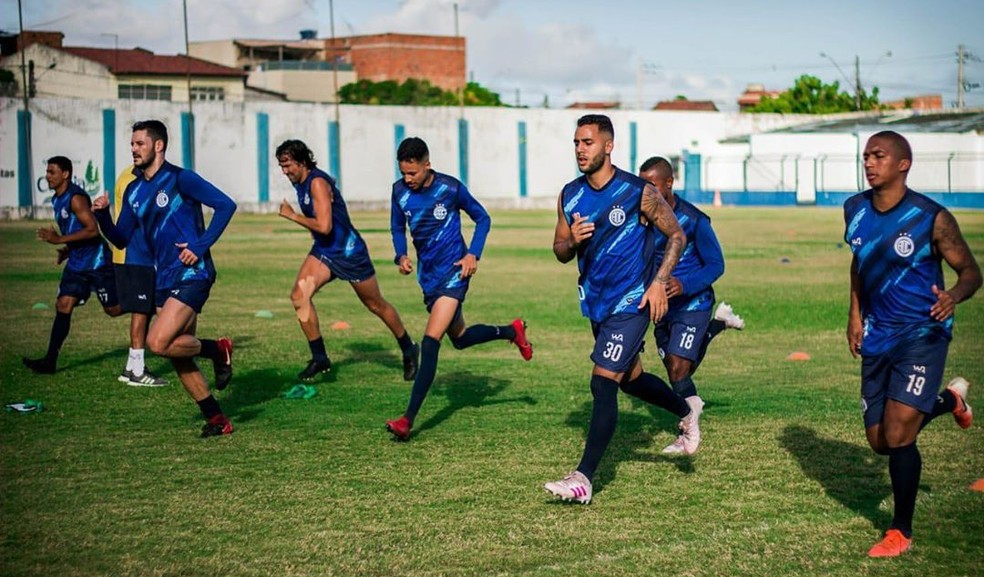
point(321, 197)
point(568, 238)
point(659, 213)
point(855, 325)
point(83, 212)
point(949, 243)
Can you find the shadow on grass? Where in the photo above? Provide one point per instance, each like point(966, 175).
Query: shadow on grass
point(633, 440)
point(852, 475)
point(464, 390)
point(249, 390)
point(363, 352)
point(117, 353)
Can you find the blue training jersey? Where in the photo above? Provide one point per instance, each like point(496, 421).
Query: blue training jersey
point(701, 262)
point(433, 214)
point(343, 241)
point(616, 263)
point(89, 254)
point(167, 210)
point(137, 251)
point(896, 267)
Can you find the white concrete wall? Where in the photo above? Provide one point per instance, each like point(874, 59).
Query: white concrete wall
point(226, 145)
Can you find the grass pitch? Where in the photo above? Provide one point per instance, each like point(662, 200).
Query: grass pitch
point(113, 480)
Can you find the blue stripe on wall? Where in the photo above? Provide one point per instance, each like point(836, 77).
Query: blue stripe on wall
point(263, 155)
point(187, 141)
point(633, 147)
point(335, 152)
point(522, 160)
point(399, 133)
point(25, 190)
point(109, 152)
point(463, 150)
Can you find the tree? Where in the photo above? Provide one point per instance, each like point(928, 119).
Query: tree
point(809, 95)
point(414, 92)
point(8, 83)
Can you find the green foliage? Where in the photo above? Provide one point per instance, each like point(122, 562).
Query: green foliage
point(414, 92)
point(112, 480)
point(8, 83)
point(810, 95)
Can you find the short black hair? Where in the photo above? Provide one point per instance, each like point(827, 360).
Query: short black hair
point(659, 164)
point(155, 129)
point(412, 149)
point(603, 123)
point(902, 148)
point(61, 162)
point(297, 151)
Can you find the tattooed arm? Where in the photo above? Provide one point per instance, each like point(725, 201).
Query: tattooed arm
point(949, 243)
point(659, 214)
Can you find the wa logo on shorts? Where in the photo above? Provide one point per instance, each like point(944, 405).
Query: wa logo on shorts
point(616, 216)
point(904, 246)
point(440, 212)
point(162, 199)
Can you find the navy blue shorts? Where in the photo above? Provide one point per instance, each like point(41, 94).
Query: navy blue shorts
point(136, 287)
point(353, 269)
point(618, 341)
point(682, 334)
point(911, 373)
point(458, 293)
point(81, 283)
point(193, 293)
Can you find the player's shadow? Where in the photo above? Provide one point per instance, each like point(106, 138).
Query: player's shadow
point(852, 475)
point(635, 439)
point(366, 352)
point(117, 353)
point(243, 400)
point(467, 390)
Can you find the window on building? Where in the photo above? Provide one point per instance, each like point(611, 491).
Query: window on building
point(144, 92)
point(207, 93)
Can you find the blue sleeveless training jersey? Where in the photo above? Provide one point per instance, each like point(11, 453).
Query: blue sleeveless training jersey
point(896, 267)
point(343, 241)
point(167, 210)
point(616, 264)
point(701, 262)
point(90, 254)
point(433, 214)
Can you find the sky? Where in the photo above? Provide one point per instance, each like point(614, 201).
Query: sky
point(556, 52)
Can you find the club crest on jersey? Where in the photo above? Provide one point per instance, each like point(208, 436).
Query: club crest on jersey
point(64, 213)
point(307, 199)
point(162, 199)
point(904, 246)
point(440, 213)
point(616, 216)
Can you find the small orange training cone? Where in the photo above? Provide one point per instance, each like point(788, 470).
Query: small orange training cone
point(977, 485)
point(340, 326)
point(798, 356)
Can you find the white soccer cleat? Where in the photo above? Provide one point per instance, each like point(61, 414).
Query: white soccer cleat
point(574, 487)
point(725, 314)
point(689, 438)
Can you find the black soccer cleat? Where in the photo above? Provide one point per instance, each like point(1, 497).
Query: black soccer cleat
point(223, 363)
point(314, 368)
point(217, 426)
point(39, 366)
point(410, 362)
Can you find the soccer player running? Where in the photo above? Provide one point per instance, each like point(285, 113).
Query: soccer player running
point(683, 334)
point(605, 219)
point(338, 252)
point(901, 318)
point(88, 263)
point(164, 204)
point(431, 203)
point(134, 268)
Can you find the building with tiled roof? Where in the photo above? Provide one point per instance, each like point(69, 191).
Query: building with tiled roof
point(126, 73)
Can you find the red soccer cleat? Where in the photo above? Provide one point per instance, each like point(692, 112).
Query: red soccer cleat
point(893, 545)
point(400, 428)
point(524, 346)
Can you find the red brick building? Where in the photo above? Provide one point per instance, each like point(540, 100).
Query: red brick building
point(377, 57)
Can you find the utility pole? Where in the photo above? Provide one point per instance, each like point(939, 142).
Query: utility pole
point(857, 82)
point(960, 77)
point(461, 91)
point(191, 113)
